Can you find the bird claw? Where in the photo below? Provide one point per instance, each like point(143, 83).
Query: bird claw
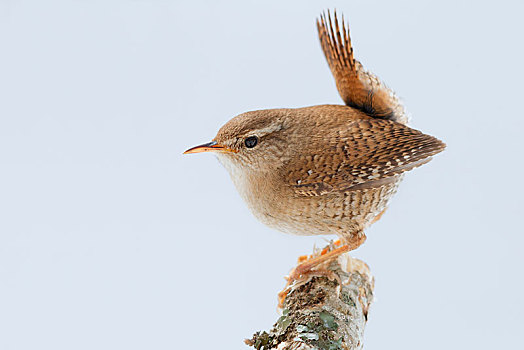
point(310, 266)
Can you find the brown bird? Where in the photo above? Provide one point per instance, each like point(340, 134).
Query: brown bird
point(328, 169)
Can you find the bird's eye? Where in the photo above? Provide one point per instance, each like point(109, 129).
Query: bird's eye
point(251, 141)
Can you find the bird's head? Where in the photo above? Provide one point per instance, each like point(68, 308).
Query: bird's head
point(257, 140)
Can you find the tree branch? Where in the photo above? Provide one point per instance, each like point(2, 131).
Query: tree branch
point(325, 313)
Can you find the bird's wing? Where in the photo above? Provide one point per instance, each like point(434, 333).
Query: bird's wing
point(358, 88)
point(368, 154)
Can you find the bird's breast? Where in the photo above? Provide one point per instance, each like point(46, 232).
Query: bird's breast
point(266, 196)
point(277, 204)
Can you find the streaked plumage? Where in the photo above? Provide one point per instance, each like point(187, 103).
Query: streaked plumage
point(328, 169)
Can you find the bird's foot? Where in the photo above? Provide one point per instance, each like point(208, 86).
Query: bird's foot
point(329, 247)
point(315, 265)
point(309, 262)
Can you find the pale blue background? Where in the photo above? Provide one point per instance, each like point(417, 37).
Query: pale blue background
point(111, 239)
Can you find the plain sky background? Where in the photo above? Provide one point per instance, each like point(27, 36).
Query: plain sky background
point(111, 239)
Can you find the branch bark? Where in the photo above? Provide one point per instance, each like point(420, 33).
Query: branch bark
point(325, 313)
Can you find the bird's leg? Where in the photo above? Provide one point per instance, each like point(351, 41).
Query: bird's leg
point(306, 257)
point(309, 265)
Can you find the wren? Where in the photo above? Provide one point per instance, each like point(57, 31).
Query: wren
point(327, 169)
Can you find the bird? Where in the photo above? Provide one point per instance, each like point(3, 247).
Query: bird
point(324, 169)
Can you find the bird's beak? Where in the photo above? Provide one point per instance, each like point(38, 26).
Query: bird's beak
point(207, 147)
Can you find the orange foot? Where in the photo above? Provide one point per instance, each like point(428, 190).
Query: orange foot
point(303, 258)
point(310, 266)
point(316, 265)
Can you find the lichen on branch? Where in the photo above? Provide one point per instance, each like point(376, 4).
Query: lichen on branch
point(323, 313)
